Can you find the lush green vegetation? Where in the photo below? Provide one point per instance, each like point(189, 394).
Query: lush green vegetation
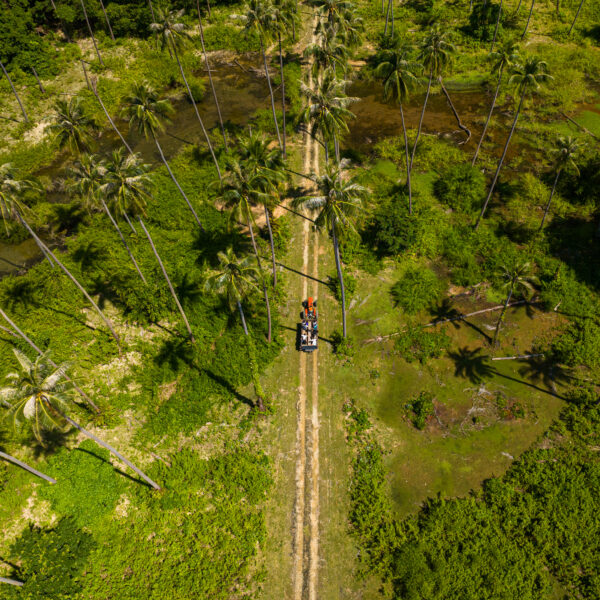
point(458, 227)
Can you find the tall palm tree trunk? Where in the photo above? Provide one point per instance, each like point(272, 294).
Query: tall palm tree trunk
point(497, 25)
point(14, 91)
point(270, 230)
point(116, 226)
point(11, 581)
point(242, 317)
point(412, 156)
point(91, 32)
point(210, 78)
point(528, 19)
point(501, 318)
point(550, 199)
point(282, 94)
point(252, 359)
point(166, 276)
point(112, 35)
point(576, 16)
point(487, 121)
point(106, 446)
point(62, 23)
point(518, 7)
point(42, 89)
point(455, 112)
point(500, 163)
point(112, 123)
point(387, 17)
point(210, 148)
point(392, 17)
point(258, 262)
point(25, 466)
point(39, 351)
point(68, 273)
point(41, 246)
point(152, 10)
point(408, 183)
point(126, 217)
point(160, 150)
point(338, 266)
point(264, 55)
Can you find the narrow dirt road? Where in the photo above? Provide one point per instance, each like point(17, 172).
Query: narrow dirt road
point(306, 547)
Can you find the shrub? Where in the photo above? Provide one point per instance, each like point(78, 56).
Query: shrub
point(579, 345)
point(349, 286)
point(51, 562)
point(358, 420)
point(421, 408)
point(417, 289)
point(343, 347)
point(197, 87)
point(418, 344)
point(89, 485)
point(461, 187)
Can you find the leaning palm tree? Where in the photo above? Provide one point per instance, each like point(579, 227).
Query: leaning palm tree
point(241, 190)
point(20, 463)
point(146, 112)
point(112, 35)
point(398, 74)
point(338, 200)
point(326, 111)
point(71, 125)
point(528, 19)
point(267, 166)
point(435, 54)
point(506, 55)
point(87, 177)
point(576, 16)
point(262, 19)
point(12, 208)
point(87, 20)
point(39, 396)
point(14, 91)
point(172, 34)
point(127, 187)
point(517, 279)
point(527, 80)
point(566, 152)
point(235, 278)
point(209, 73)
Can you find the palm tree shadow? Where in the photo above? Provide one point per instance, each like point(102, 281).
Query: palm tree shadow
point(445, 311)
point(221, 381)
point(176, 352)
point(21, 293)
point(53, 440)
point(544, 370)
point(210, 243)
point(528, 384)
point(119, 471)
point(471, 364)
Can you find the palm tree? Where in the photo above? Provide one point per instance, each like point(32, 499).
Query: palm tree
point(14, 91)
point(210, 78)
point(267, 166)
point(39, 396)
point(516, 279)
point(91, 32)
point(528, 19)
point(25, 466)
point(338, 200)
point(328, 53)
point(88, 176)
point(332, 9)
point(112, 35)
point(12, 209)
point(527, 79)
point(235, 278)
point(398, 74)
point(127, 188)
point(350, 27)
point(576, 16)
point(497, 25)
point(506, 56)
point(72, 127)
point(435, 54)
point(94, 89)
point(241, 190)
point(565, 153)
point(261, 18)
point(326, 111)
point(146, 112)
point(172, 34)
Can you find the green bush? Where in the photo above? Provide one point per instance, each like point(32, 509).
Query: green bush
point(349, 286)
point(51, 562)
point(344, 347)
point(462, 187)
point(89, 486)
point(421, 408)
point(197, 87)
point(417, 289)
point(417, 343)
point(579, 345)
